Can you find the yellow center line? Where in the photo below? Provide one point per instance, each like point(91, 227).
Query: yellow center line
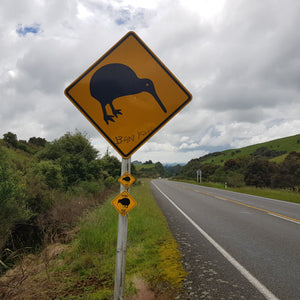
point(247, 205)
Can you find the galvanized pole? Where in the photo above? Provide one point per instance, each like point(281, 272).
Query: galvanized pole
point(121, 243)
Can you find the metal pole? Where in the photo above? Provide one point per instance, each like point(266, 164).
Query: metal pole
point(121, 243)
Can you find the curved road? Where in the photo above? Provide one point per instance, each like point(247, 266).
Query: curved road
point(234, 246)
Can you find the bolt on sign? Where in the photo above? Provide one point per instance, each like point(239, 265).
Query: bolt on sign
point(128, 94)
point(126, 180)
point(124, 203)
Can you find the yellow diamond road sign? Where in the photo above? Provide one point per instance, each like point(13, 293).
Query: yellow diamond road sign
point(123, 203)
point(126, 180)
point(128, 94)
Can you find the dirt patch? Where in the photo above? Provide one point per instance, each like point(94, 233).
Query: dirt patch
point(144, 292)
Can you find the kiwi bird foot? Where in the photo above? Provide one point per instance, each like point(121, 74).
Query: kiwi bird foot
point(117, 112)
point(108, 118)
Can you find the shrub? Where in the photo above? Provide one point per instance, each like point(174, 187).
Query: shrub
point(109, 181)
point(38, 196)
point(12, 201)
point(50, 172)
point(259, 173)
point(236, 180)
point(73, 154)
point(90, 187)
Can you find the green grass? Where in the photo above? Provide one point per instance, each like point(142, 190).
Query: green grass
point(284, 195)
point(144, 166)
point(279, 159)
point(291, 143)
point(151, 249)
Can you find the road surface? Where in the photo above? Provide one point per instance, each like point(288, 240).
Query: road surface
point(234, 246)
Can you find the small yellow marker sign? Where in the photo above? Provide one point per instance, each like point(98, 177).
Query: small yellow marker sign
point(124, 203)
point(126, 180)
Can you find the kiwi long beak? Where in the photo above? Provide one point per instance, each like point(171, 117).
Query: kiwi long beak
point(158, 101)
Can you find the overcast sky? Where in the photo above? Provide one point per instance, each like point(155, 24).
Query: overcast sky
point(239, 59)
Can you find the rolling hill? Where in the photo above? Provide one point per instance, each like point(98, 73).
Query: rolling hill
point(274, 164)
point(275, 150)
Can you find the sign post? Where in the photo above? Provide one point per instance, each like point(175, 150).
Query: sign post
point(122, 242)
point(128, 94)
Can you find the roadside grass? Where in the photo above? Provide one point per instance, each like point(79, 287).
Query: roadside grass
point(152, 253)
point(284, 195)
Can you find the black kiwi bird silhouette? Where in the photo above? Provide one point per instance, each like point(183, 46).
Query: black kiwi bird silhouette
point(126, 178)
point(117, 80)
point(124, 201)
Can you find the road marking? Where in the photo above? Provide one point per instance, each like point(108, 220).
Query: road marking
point(250, 206)
point(257, 284)
point(284, 218)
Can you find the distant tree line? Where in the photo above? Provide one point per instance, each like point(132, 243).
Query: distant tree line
point(12, 140)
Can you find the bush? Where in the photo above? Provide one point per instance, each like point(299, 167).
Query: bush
point(12, 201)
point(38, 196)
point(236, 180)
point(87, 187)
point(259, 173)
point(109, 181)
point(50, 172)
point(74, 155)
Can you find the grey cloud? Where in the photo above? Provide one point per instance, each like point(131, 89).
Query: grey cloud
point(243, 68)
point(257, 63)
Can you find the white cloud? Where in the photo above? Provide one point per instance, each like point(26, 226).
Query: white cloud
point(239, 59)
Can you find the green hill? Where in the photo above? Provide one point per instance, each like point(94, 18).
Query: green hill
point(275, 150)
point(273, 164)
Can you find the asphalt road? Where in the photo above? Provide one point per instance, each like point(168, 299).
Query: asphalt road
point(234, 246)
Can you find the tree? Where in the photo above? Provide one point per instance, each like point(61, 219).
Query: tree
point(289, 175)
point(75, 156)
point(111, 165)
point(159, 168)
point(259, 173)
point(50, 173)
point(231, 164)
point(38, 141)
point(11, 139)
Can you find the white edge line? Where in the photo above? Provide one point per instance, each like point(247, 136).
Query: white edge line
point(286, 219)
point(257, 284)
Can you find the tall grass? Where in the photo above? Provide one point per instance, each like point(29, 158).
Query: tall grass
point(151, 249)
